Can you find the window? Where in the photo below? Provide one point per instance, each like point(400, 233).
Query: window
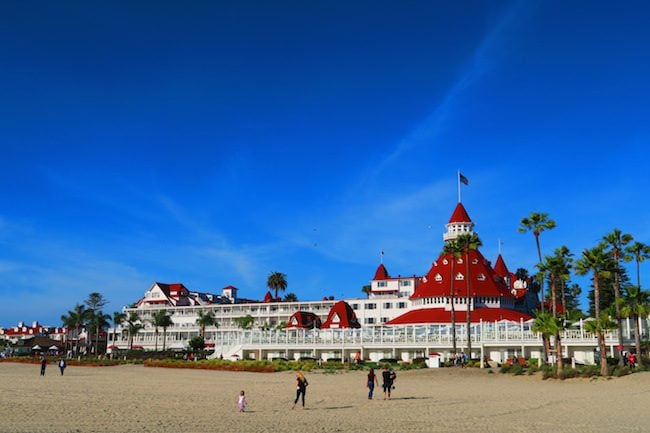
point(481, 277)
point(355, 306)
point(405, 282)
point(388, 305)
point(438, 277)
point(371, 306)
point(401, 305)
point(384, 319)
point(381, 284)
point(459, 276)
point(369, 320)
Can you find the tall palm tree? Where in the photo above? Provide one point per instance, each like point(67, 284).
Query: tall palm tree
point(277, 281)
point(537, 222)
point(118, 319)
point(548, 324)
point(75, 319)
point(454, 250)
point(468, 242)
point(166, 323)
point(616, 241)
point(205, 319)
point(640, 252)
point(133, 326)
point(160, 319)
point(596, 261)
point(636, 304)
point(97, 323)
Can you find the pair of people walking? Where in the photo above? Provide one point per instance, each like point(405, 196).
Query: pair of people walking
point(388, 379)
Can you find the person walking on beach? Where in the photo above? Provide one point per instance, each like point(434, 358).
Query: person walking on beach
point(62, 365)
point(371, 382)
point(388, 377)
point(241, 403)
point(301, 389)
point(43, 365)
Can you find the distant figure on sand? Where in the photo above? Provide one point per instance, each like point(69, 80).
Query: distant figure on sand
point(301, 389)
point(241, 403)
point(43, 365)
point(371, 382)
point(62, 365)
point(388, 376)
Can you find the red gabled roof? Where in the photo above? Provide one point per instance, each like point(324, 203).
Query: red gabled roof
point(460, 215)
point(483, 280)
point(440, 315)
point(381, 273)
point(304, 319)
point(500, 268)
point(268, 297)
point(341, 315)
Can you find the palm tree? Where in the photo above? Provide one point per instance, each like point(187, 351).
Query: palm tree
point(204, 320)
point(616, 240)
point(75, 319)
point(133, 326)
point(596, 261)
point(537, 223)
point(564, 263)
point(366, 289)
point(468, 242)
point(245, 322)
point(454, 250)
point(598, 327)
point(640, 252)
point(163, 320)
point(635, 305)
point(290, 297)
point(118, 319)
point(277, 281)
point(97, 323)
point(548, 324)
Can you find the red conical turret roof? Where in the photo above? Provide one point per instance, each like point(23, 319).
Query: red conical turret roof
point(500, 268)
point(381, 273)
point(460, 215)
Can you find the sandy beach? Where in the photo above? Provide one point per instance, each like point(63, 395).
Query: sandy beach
point(139, 399)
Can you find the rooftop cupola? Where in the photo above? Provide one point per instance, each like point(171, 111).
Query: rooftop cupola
point(459, 224)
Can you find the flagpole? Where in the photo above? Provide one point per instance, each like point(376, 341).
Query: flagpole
point(458, 181)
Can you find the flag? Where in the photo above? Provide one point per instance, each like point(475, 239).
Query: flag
point(463, 179)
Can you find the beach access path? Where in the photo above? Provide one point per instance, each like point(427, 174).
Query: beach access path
point(140, 399)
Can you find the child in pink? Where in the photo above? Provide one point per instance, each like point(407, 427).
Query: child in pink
point(242, 401)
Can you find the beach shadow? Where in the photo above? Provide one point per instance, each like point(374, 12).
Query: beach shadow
point(411, 398)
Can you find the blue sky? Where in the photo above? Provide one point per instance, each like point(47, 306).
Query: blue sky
point(211, 143)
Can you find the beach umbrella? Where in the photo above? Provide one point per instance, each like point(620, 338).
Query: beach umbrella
point(53, 347)
point(36, 347)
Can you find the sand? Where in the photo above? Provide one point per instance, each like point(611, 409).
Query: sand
point(140, 399)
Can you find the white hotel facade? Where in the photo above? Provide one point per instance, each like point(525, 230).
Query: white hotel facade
point(402, 318)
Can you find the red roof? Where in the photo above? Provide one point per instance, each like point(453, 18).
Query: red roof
point(341, 315)
point(268, 297)
point(304, 319)
point(460, 215)
point(500, 268)
point(440, 315)
point(381, 273)
point(483, 280)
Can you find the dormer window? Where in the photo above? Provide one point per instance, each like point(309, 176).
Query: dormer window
point(475, 262)
point(438, 277)
point(459, 277)
point(445, 262)
point(459, 261)
point(481, 277)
